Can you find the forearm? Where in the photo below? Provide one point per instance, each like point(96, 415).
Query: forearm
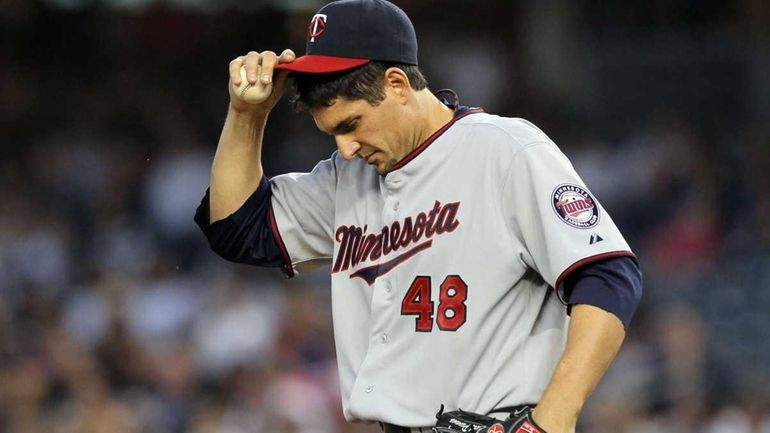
point(593, 340)
point(237, 167)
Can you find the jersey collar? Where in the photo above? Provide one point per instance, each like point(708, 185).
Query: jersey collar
point(449, 98)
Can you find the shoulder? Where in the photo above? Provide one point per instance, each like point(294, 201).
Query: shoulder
point(339, 165)
point(354, 167)
point(513, 133)
point(330, 169)
point(354, 173)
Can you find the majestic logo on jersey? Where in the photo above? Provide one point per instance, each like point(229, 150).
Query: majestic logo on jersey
point(317, 26)
point(357, 245)
point(575, 206)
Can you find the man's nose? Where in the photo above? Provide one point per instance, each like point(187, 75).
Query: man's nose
point(347, 146)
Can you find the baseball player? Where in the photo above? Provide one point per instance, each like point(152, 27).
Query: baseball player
point(471, 267)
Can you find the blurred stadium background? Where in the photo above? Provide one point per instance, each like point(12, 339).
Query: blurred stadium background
point(115, 316)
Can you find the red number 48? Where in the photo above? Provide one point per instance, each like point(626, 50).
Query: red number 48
point(451, 306)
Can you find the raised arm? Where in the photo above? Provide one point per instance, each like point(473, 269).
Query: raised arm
point(237, 168)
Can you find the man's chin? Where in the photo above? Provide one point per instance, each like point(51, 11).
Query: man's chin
point(384, 167)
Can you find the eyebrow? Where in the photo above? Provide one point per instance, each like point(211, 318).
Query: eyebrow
point(343, 124)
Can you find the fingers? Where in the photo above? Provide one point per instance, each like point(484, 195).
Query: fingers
point(235, 70)
point(269, 60)
point(287, 56)
point(252, 61)
point(259, 66)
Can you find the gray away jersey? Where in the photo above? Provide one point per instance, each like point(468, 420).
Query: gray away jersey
point(442, 270)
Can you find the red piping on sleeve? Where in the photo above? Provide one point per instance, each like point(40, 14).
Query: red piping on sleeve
point(591, 259)
point(277, 234)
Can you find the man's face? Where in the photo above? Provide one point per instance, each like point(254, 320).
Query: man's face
point(378, 134)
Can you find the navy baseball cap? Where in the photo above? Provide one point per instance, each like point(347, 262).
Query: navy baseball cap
point(346, 34)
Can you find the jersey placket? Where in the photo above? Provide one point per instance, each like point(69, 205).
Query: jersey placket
point(383, 304)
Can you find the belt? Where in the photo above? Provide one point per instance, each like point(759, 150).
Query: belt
point(392, 428)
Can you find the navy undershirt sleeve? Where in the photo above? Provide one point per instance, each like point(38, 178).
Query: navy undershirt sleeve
point(614, 285)
point(246, 235)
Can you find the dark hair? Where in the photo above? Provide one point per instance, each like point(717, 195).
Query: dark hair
point(365, 82)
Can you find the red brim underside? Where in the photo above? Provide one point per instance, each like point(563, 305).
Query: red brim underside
point(314, 64)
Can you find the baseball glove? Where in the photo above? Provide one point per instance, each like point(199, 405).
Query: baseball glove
point(460, 421)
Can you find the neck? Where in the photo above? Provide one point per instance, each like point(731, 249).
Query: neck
point(433, 116)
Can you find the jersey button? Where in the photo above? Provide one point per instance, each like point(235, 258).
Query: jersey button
point(388, 287)
point(395, 206)
point(369, 389)
point(384, 338)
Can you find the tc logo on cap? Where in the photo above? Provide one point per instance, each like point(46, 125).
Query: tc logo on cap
point(317, 26)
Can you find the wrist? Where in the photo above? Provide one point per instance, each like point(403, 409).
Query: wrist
point(252, 122)
point(554, 421)
point(251, 113)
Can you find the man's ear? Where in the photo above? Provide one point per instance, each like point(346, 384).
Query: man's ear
point(397, 81)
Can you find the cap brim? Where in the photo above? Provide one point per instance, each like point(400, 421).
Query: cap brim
point(315, 64)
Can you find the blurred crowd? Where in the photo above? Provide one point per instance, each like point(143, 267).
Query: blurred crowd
point(116, 317)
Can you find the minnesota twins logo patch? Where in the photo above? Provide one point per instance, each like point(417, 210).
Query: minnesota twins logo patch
point(575, 206)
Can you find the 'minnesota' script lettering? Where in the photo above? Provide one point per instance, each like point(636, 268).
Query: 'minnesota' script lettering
point(357, 245)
